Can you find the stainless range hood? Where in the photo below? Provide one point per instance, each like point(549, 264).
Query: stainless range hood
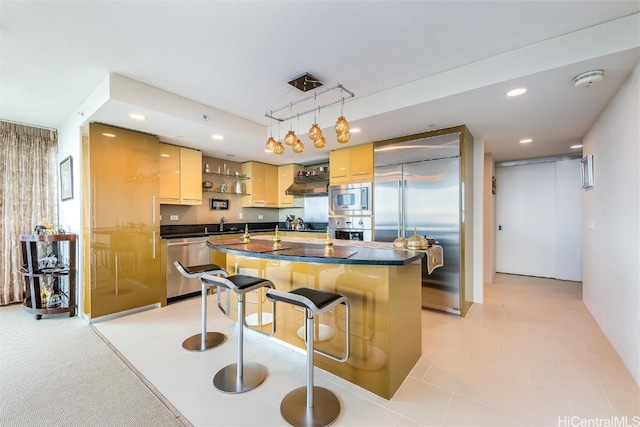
point(312, 185)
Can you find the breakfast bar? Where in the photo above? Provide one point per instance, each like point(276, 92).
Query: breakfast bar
point(383, 286)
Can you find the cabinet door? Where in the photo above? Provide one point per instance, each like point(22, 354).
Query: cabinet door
point(286, 175)
point(169, 174)
point(258, 196)
point(270, 186)
point(361, 163)
point(191, 176)
point(339, 165)
point(123, 177)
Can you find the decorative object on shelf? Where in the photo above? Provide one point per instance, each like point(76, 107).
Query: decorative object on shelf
point(240, 188)
point(223, 187)
point(305, 83)
point(66, 179)
point(207, 184)
point(207, 169)
point(246, 237)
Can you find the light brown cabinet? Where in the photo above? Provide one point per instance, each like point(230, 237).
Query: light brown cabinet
point(180, 175)
point(122, 268)
point(349, 165)
point(286, 175)
point(262, 188)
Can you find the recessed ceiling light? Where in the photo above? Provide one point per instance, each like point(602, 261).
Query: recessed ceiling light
point(354, 130)
point(217, 137)
point(525, 141)
point(109, 135)
point(576, 146)
point(136, 116)
point(164, 155)
point(516, 92)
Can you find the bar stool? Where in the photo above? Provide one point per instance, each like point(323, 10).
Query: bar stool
point(204, 340)
point(240, 377)
point(312, 405)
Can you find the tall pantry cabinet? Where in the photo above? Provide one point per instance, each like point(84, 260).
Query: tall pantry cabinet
point(121, 224)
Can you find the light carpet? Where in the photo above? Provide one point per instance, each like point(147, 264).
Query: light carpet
point(58, 372)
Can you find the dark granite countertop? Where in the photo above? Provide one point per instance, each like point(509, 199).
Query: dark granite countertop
point(198, 230)
point(313, 250)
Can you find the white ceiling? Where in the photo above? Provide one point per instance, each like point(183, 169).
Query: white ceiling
point(413, 66)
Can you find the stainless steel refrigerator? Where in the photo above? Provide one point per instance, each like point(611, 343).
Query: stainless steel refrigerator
point(417, 188)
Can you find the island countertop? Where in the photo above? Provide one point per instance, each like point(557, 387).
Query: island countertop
point(313, 250)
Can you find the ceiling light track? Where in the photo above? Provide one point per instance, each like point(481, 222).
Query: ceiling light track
point(343, 91)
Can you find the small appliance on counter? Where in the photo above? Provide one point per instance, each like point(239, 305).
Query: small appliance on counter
point(290, 222)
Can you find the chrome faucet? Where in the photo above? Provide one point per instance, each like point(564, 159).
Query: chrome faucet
point(222, 221)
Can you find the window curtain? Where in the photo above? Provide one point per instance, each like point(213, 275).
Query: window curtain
point(28, 195)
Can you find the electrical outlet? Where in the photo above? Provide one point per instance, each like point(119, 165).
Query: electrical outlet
point(173, 217)
point(260, 216)
point(240, 215)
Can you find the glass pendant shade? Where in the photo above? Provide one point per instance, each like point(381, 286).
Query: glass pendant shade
point(279, 148)
point(298, 147)
point(320, 142)
point(342, 125)
point(291, 138)
point(270, 144)
point(343, 137)
point(315, 132)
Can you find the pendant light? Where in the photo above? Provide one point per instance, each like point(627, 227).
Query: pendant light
point(315, 133)
point(291, 138)
point(342, 126)
point(278, 147)
point(298, 147)
point(318, 142)
point(271, 143)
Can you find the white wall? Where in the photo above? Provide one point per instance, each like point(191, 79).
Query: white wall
point(489, 221)
point(611, 228)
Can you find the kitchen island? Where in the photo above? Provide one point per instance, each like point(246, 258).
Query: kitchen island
point(383, 286)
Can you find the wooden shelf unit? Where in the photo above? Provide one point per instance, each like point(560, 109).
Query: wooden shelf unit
point(35, 279)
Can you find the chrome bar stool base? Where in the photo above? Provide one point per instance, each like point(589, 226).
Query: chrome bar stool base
point(226, 379)
point(312, 405)
point(325, 409)
point(204, 340)
point(196, 343)
point(241, 376)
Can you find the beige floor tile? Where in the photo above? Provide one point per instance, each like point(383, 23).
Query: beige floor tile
point(566, 380)
point(623, 396)
point(467, 412)
point(420, 402)
point(540, 405)
point(586, 412)
point(524, 348)
point(499, 364)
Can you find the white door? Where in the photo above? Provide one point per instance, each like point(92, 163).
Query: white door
point(525, 217)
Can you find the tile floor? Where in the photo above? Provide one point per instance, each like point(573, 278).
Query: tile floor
point(531, 355)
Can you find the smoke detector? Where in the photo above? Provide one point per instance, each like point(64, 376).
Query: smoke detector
point(589, 78)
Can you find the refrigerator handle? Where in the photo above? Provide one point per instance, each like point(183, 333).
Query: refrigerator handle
point(400, 199)
point(153, 245)
point(153, 209)
point(462, 201)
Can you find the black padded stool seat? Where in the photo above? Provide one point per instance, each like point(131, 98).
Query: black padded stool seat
point(312, 299)
point(312, 405)
point(240, 376)
point(204, 340)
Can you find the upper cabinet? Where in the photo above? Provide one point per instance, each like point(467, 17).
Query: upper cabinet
point(286, 176)
point(180, 175)
point(353, 164)
point(262, 188)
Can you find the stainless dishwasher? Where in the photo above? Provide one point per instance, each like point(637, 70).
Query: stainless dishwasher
point(189, 251)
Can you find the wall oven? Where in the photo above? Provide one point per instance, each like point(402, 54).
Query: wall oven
point(351, 228)
point(350, 199)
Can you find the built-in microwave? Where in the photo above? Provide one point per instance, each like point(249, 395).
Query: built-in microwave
point(350, 199)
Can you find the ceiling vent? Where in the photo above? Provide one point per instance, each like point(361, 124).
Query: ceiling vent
point(589, 78)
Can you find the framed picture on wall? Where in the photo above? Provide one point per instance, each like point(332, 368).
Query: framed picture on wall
point(586, 171)
point(66, 179)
